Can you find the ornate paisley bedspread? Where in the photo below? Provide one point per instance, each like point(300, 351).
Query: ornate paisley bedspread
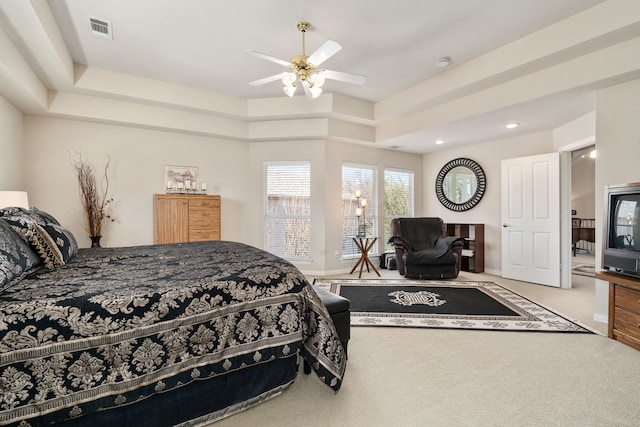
point(119, 324)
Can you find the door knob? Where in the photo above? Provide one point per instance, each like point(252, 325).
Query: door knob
point(505, 225)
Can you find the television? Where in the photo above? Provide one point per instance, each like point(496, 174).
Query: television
point(622, 227)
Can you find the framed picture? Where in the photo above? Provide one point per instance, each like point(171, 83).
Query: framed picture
point(181, 177)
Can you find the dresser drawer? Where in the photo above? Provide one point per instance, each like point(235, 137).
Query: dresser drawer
point(627, 322)
point(203, 205)
point(628, 299)
point(201, 235)
point(626, 339)
point(203, 223)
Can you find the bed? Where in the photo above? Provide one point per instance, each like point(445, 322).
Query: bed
point(582, 230)
point(159, 335)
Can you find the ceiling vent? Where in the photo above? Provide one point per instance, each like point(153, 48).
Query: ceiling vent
point(101, 27)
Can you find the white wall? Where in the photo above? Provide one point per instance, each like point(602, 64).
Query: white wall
point(489, 156)
point(618, 146)
point(576, 134)
point(12, 175)
point(326, 159)
point(232, 169)
point(138, 157)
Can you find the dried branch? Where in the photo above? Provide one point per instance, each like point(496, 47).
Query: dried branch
point(95, 201)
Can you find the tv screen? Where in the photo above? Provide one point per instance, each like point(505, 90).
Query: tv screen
point(622, 243)
point(624, 231)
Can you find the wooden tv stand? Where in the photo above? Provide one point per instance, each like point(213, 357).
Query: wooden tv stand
point(624, 308)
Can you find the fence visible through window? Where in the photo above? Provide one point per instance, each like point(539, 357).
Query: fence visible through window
point(288, 209)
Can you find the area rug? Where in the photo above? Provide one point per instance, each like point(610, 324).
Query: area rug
point(444, 304)
point(583, 269)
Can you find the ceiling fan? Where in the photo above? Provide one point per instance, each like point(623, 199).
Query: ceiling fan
point(304, 69)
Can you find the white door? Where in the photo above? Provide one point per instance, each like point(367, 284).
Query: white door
point(531, 219)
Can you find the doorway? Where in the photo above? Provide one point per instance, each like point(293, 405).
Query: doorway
point(583, 163)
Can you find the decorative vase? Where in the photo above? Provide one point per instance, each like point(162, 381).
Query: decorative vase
point(95, 241)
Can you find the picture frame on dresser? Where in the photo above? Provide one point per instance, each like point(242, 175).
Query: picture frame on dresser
point(181, 177)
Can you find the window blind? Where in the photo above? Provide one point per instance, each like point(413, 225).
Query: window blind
point(361, 178)
point(398, 198)
point(288, 209)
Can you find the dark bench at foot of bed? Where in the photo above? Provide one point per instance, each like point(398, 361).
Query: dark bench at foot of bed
point(338, 308)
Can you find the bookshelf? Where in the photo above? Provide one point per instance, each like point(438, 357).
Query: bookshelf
point(473, 251)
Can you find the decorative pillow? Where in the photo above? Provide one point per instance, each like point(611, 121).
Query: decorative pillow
point(17, 259)
point(20, 222)
point(55, 244)
point(13, 212)
point(40, 217)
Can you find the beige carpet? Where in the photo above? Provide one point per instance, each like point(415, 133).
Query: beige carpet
point(457, 378)
point(583, 265)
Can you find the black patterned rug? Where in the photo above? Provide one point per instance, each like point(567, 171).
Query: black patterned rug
point(582, 269)
point(444, 304)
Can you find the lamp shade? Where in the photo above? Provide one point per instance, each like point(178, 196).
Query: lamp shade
point(288, 78)
point(317, 79)
point(289, 90)
point(315, 91)
point(14, 199)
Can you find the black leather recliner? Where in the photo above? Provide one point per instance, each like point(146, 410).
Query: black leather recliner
point(423, 250)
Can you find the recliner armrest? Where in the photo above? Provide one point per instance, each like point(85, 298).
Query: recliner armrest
point(454, 242)
point(400, 243)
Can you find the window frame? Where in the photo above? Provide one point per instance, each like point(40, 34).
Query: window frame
point(268, 216)
point(411, 202)
point(348, 206)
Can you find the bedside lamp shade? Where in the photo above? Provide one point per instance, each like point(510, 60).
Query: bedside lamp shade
point(14, 198)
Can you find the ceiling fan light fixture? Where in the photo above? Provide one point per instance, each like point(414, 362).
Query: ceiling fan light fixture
point(315, 91)
point(304, 69)
point(288, 78)
point(317, 79)
point(289, 90)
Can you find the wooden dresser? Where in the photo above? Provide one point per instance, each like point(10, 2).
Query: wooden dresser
point(186, 218)
point(624, 308)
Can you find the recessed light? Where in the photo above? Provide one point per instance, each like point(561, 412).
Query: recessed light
point(512, 125)
point(439, 141)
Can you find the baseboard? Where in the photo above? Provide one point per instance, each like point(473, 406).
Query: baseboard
point(324, 272)
point(601, 318)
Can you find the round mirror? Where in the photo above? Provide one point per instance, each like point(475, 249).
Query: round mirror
point(460, 184)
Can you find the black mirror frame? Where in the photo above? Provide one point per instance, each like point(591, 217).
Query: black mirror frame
point(480, 188)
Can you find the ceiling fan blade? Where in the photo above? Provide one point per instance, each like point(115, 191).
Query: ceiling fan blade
point(306, 88)
point(266, 80)
point(324, 52)
point(268, 57)
point(345, 77)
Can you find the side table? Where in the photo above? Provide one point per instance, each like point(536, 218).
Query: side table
point(364, 245)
